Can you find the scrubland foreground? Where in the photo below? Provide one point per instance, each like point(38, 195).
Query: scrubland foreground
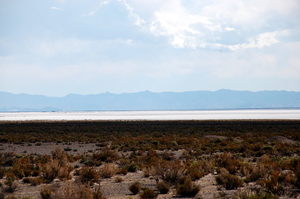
point(150, 159)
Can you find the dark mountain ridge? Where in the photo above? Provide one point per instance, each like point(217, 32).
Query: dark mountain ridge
point(190, 100)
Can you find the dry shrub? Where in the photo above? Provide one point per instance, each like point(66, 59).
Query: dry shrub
point(45, 193)
point(229, 181)
point(2, 172)
point(36, 181)
point(26, 180)
point(73, 191)
point(60, 155)
point(227, 161)
point(169, 171)
point(162, 187)
point(22, 167)
point(11, 185)
point(146, 172)
point(287, 177)
point(199, 168)
point(258, 172)
point(148, 194)
point(253, 194)
point(272, 185)
point(119, 179)
point(247, 169)
point(11, 197)
point(123, 170)
point(106, 155)
point(50, 171)
point(187, 188)
point(64, 173)
point(135, 188)
point(107, 170)
point(88, 175)
point(97, 193)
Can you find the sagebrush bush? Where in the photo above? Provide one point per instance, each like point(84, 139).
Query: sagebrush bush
point(73, 191)
point(227, 161)
point(253, 194)
point(229, 181)
point(162, 187)
point(272, 185)
point(50, 171)
point(36, 181)
point(88, 175)
point(11, 185)
point(97, 193)
point(187, 188)
point(45, 193)
point(64, 172)
point(135, 188)
point(22, 167)
point(106, 155)
point(148, 193)
point(107, 170)
point(60, 155)
point(119, 179)
point(170, 171)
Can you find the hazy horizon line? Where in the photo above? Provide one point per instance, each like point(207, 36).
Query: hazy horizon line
point(107, 92)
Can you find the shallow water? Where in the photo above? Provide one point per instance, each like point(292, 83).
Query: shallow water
point(154, 115)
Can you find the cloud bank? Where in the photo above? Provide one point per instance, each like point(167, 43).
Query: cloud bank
point(130, 45)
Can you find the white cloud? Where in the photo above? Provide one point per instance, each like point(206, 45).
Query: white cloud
point(260, 41)
point(91, 13)
point(56, 8)
point(203, 23)
point(137, 19)
point(103, 3)
point(229, 29)
point(180, 26)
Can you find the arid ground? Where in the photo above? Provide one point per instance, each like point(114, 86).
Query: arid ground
point(150, 159)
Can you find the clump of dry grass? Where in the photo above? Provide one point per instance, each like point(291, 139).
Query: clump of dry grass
point(229, 181)
point(135, 188)
point(107, 170)
point(186, 187)
point(169, 171)
point(163, 187)
point(148, 193)
point(119, 179)
point(45, 193)
point(73, 191)
point(88, 175)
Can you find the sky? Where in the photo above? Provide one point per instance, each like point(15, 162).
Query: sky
point(58, 47)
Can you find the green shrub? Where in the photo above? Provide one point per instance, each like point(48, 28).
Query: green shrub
point(135, 188)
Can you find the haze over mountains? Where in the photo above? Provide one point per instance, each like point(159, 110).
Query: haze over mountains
point(192, 100)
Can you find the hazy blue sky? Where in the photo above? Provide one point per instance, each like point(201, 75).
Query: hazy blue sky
point(57, 47)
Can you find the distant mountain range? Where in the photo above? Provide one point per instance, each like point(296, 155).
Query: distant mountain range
point(192, 100)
